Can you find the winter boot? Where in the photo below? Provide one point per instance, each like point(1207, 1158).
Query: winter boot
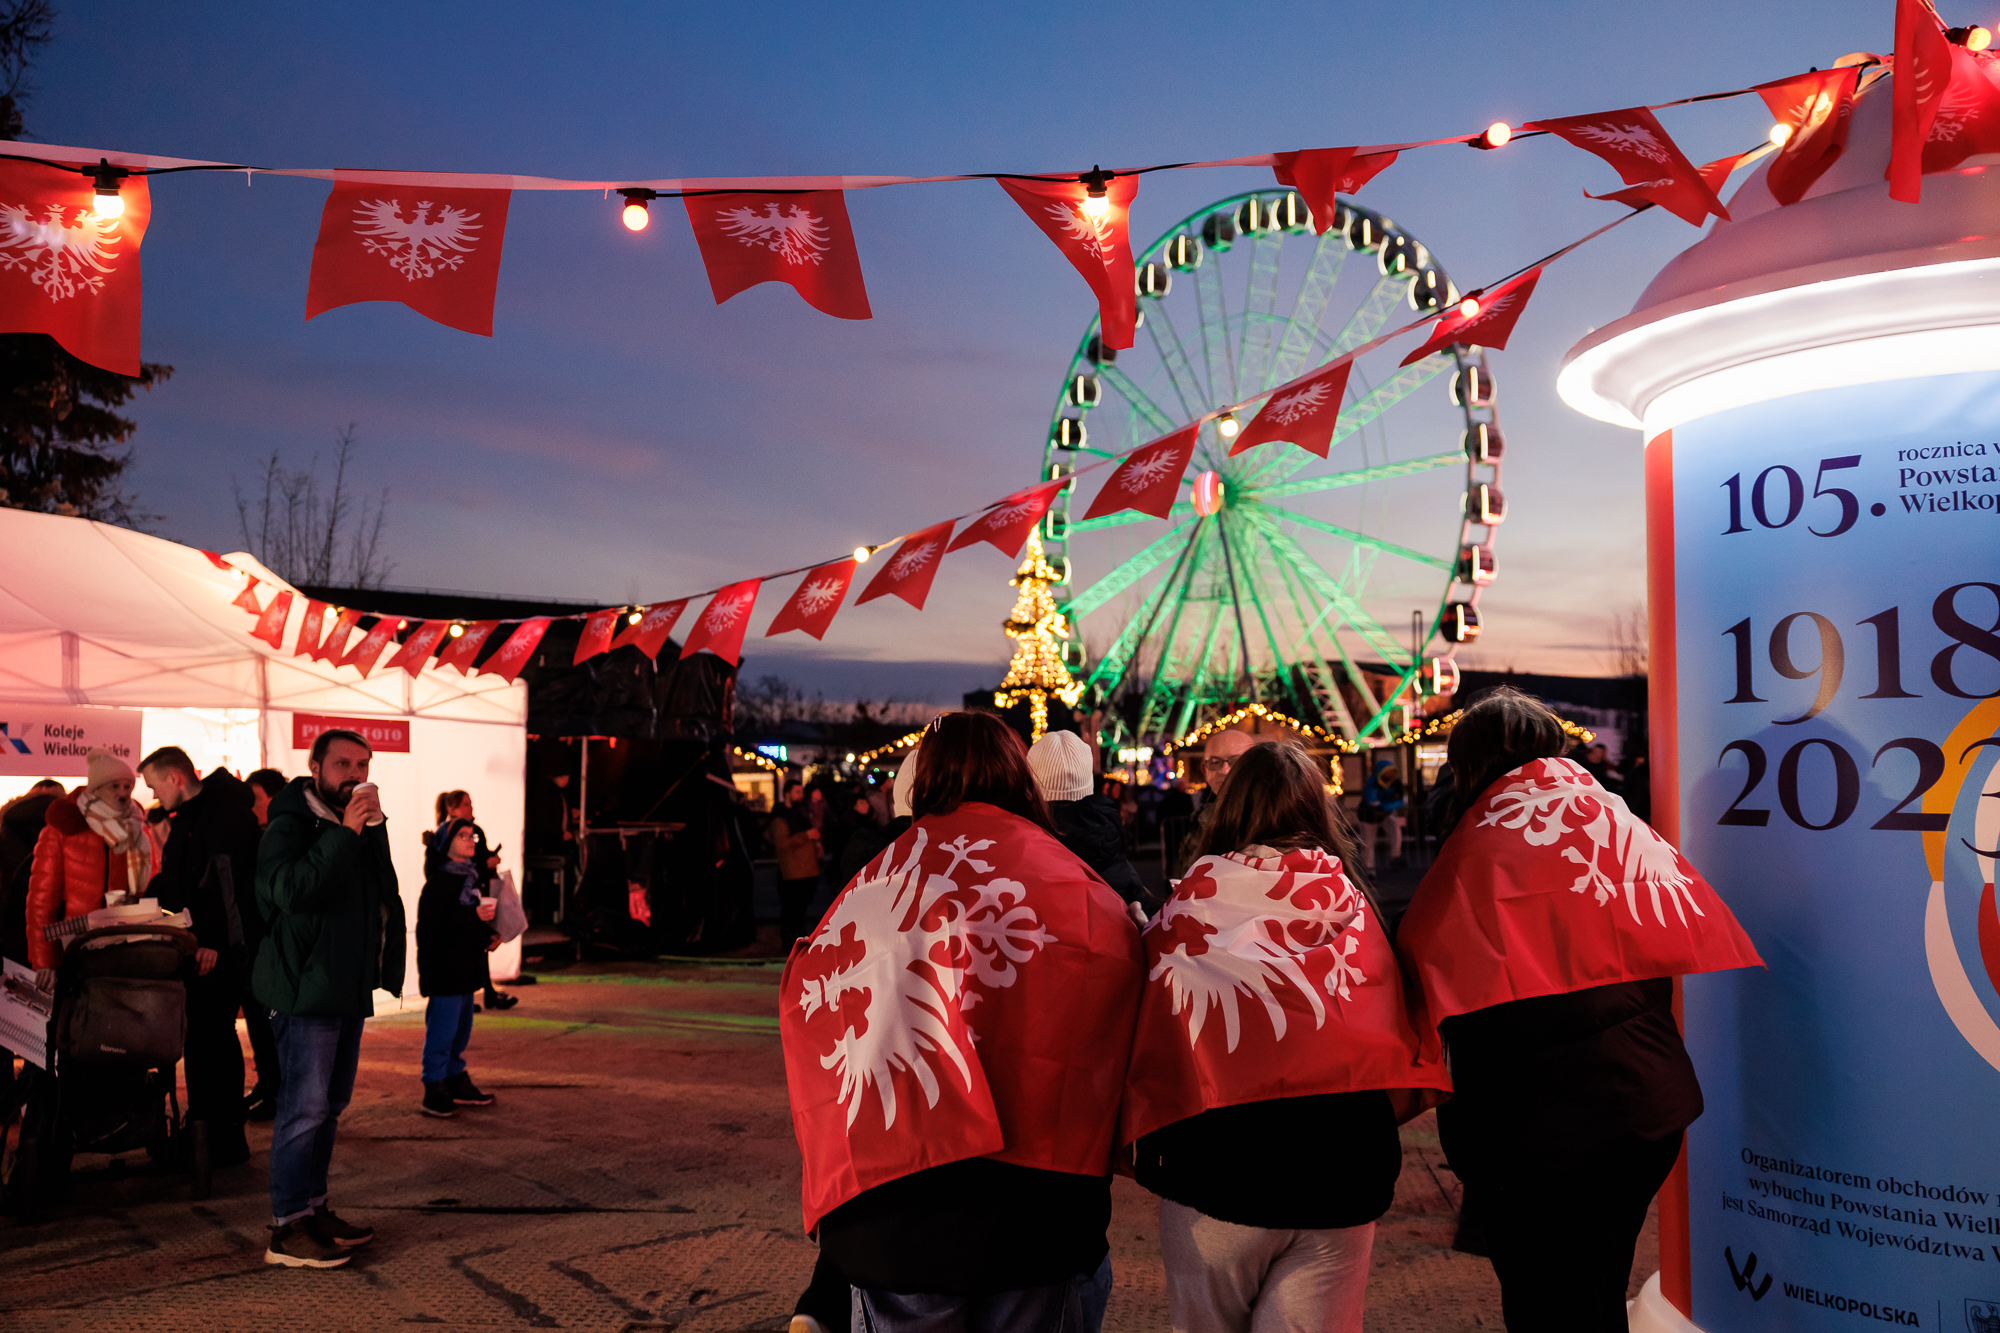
point(298, 1245)
point(463, 1093)
point(438, 1101)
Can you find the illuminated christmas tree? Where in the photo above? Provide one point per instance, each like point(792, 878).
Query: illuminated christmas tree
point(1037, 671)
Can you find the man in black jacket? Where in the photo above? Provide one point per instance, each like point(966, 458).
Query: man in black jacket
point(208, 869)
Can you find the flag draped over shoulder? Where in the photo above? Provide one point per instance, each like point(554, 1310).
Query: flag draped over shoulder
point(971, 994)
point(1269, 977)
point(1550, 885)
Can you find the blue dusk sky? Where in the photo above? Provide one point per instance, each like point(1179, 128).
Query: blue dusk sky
point(622, 438)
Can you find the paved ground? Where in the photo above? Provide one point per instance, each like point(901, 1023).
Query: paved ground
point(638, 1173)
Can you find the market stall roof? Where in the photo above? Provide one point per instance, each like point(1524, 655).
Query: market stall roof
point(96, 614)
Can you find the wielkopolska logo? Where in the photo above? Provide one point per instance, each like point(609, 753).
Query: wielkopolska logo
point(1962, 846)
point(1982, 1316)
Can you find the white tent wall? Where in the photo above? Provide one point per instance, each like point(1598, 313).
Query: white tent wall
point(94, 615)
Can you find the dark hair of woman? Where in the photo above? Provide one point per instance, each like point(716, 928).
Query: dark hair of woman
point(1502, 731)
point(1276, 797)
point(975, 757)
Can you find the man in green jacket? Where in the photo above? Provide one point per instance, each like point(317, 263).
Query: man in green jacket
point(334, 934)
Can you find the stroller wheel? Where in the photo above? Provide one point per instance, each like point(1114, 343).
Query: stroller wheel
point(198, 1159)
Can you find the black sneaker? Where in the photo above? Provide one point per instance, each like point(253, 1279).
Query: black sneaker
point(331, 1227)
point(499, 999)
point(463, 1093)
point(438, 1101)
point(298, 1245)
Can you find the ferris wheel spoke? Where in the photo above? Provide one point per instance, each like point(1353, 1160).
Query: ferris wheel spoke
point(1314, 661)
point(1195, 691)
point(1362, 539)
point(1373, 313)
point(1329, 255)
point(1173, 355)
point(1141, 404)
point(1260, 302)
point(1131, 643)
point(1216, 348)
point(1330, 588)
point(1125, 517)
point(1357, 477)
point(1171, 666)
point(1128, 573)
point(1283, 655)
point(1363, 413)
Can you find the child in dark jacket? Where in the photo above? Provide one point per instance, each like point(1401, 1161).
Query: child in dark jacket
point(454, 934)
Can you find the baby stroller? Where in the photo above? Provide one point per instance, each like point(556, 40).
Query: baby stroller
point(115, 1036)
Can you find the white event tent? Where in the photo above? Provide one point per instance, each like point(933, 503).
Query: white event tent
point(101, 627)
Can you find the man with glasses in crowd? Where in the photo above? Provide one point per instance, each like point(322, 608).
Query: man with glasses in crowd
point(1220, 751)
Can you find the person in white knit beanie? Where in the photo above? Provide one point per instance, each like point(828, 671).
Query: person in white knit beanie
point(1086, 821)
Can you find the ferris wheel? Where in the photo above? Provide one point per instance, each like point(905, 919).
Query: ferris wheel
point(1279, 576)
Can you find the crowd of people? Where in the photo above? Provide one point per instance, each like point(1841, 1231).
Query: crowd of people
point(1252, 1043)
point(294, 905)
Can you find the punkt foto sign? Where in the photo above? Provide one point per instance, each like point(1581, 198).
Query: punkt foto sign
point(42, 741)
point(385, 735)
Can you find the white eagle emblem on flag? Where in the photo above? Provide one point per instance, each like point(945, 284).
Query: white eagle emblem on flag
point(1142, 472)
point(815, 597)
point(1635, 139)
point(1093, 234)
point(797, 235)
point(910, 560)
point(1488, 313)
point(1298, 406)
point(1541, 808)
point(724, 612)
point(421, 245)
point(1006, 515)
point(60, 259)
point(658, 616)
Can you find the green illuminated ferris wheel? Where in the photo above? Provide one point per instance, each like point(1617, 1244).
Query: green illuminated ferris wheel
point(1278, 575)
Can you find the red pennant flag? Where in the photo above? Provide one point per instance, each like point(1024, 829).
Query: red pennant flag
point(372, 643)
point(247, 599)
point(720, 629)
point(271, 624)
point(1818, 107)
point(1968, 117)
point(219, 562)
point(1645, 157)
point(514, 654)
point(816, 599)
point(1318, 174)
point(459, 652)
point(1100, 247)
point(1923, 74)
point(310, 626)
point(417, 649)
point(68, 273)
point(596, 636)
point(649, 635)
point(333, 648)
point(909, 572)
point(436, 251)
point(803, 238)
point(1149, 480)
point(1006, 525)
point(1491, 326)
point(1304, 412)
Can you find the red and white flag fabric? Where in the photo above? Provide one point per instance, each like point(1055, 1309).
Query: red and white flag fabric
point(247, 599)
point(363, 655)
point(1006, 525)
point(311, 626)
point(802, 238)
point(813, 604)
point(1818, 107)
point(1269, 977)
point(1550, 885)
point(649, 635)
point(597, 630)
point(1490, 327)
point(909, 572)
point(1968, 117)
point(271, 624)
point(333, 648)
point(415, 654)
point(1303, 412)
point(1645, 157)
point(66, 272)
point(722, 623)
point(1923, 72)
point(1318, 174)
point(459, 653)
point(934, 1014)
point(1100, 246)
point(514, 654)
point(1149, 480)
point(437, 251)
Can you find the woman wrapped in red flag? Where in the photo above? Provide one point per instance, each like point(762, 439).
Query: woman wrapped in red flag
point(956, 1033)
point(1273, 1060)
point(1546, 939)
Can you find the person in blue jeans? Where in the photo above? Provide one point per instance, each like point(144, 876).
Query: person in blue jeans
point(333, 934)
point(454, 935)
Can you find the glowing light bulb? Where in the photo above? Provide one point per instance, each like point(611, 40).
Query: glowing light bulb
point(1468, 308)
point(1781, 134)
point(107, 203)
point(634, 618)
point(1097, 207)
point(1978, 38)
point(1227, 425)
point(861, 554)
point(457, 631)
point(635, 215)
point(1495, 135)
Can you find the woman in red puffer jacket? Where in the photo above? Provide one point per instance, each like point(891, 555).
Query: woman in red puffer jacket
point(94, 848)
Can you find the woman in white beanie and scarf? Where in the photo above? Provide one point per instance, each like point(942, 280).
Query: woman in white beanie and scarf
point(93, 850)
point(1086, 822)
